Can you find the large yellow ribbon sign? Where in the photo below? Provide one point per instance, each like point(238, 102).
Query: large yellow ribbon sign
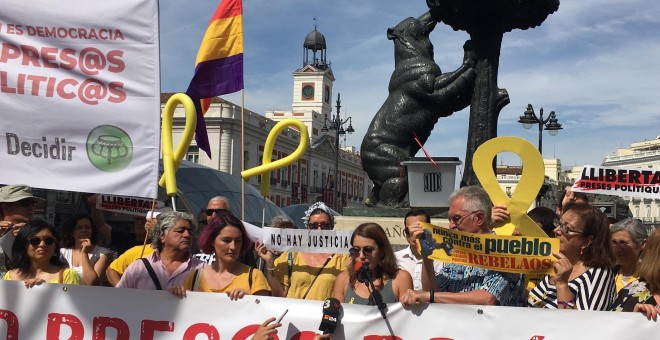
point(526, 190)
point(266, 166)
point(172, 159)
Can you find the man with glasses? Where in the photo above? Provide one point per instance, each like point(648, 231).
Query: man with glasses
point(409, 258)
point(470, 212)
point(17, 205)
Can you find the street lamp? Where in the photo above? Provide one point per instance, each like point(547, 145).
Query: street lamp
point(337, 125)
point(551, 125)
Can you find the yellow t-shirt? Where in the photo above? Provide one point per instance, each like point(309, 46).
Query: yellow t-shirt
point(129, 256)
point(303, 275)
point(69, 276)
point(259, 282)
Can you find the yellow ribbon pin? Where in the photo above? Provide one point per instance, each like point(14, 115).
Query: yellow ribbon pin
point(172, 159)
point(266, 166)
point(526, 190)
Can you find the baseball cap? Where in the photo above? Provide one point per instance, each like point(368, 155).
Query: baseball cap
point(15, 193)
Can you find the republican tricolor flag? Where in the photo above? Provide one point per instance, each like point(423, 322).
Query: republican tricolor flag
point(219, 64)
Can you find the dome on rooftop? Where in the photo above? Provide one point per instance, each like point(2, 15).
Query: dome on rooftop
point(315, 41)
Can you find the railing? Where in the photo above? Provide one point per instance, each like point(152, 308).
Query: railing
point(635, 155)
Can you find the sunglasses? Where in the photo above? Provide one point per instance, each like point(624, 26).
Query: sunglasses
point(27, 203)
point(355, 251)
point(36, 241)
point(322, 225)
point(210, 212)
point(457, 218)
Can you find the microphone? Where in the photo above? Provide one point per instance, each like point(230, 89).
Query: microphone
point(332, 314)
point(362, 272)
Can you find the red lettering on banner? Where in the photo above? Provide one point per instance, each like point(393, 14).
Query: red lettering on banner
point(304, 335)
point(149, 327)
point(12, 323)
point(100, 324)
point(248, 331)
point(201, 328)
point(55, 322)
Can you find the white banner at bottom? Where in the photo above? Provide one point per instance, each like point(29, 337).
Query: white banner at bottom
point(54, 311)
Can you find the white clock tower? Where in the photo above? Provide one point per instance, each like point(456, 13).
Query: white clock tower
point(312, 84)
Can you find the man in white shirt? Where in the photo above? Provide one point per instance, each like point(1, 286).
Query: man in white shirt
point(409, 258)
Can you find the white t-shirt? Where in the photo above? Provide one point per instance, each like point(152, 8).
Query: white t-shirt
point(406, 260)
point(66, 255)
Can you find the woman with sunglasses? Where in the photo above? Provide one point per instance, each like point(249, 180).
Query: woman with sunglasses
point(36, 257)
point(300, 275)
point(80, 252)
point(583, 277)
point(371, 252)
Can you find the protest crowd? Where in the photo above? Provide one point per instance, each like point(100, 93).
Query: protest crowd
point(601, 264)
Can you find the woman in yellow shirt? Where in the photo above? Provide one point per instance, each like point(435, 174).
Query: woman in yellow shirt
point(226, 237)
point(300, 275)
point(36, 257)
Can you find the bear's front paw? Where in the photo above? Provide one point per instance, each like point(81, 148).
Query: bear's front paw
point(470, 55)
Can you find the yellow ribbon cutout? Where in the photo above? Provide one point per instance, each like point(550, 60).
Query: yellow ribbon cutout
point(266, 166)
point(172, 159)
point(533, 172)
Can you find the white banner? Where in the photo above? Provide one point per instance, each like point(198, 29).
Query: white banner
point(643, 183)
point(308, 241)
point(80, 95)
point(54, 311)
point(135, 206)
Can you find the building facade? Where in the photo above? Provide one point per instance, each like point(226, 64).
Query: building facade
point(309, 179)
point(640, 155)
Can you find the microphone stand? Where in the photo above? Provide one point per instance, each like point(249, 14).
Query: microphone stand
point(373, 293)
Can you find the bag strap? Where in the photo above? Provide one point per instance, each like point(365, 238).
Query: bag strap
point(250, 279)
point(152, 273)
point(196, 279)
point(61, 275)
point(317, 275)
point(289, 262)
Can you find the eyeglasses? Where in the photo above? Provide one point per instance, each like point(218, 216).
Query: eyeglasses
point(566, 230)
point(27, 203)
point(321, 225)
point(210, 212)
point(36, 241)
point(355, 251)
point(457, 218)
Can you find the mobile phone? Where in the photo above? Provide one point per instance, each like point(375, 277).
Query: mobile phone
point(281, 316)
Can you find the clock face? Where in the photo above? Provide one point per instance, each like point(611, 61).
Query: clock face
point(308, 91)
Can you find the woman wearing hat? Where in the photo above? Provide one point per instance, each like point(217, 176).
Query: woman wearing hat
point(300, 275)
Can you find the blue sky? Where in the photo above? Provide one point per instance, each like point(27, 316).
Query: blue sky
point(594, 62)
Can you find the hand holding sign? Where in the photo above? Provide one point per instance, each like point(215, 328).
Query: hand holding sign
point(526, 190)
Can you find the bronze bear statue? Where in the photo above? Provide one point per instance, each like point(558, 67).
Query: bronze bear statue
point(419, 94)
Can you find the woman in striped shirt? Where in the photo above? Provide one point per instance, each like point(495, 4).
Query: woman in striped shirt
point(583, 278)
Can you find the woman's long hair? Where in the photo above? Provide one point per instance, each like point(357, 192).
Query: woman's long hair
point(70, 225)
point(387, 266)
point(20, 259)
point(649, 268)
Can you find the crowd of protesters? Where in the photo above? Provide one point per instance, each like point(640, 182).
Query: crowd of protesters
point(598, 267)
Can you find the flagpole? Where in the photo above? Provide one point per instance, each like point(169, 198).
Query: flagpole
point(242, 153)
